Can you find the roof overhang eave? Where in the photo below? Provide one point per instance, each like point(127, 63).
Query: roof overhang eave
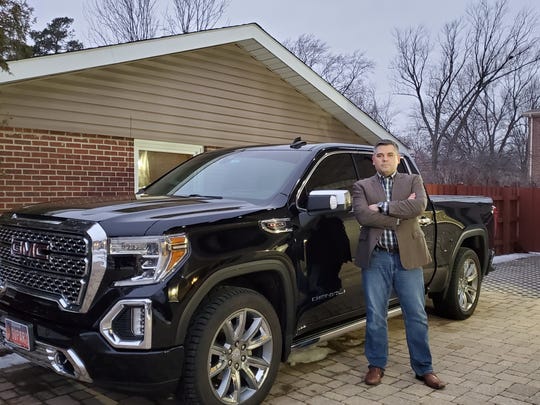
point(251, 37)
point(49, 65)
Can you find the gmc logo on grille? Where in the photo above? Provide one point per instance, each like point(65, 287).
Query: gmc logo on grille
point(34, 250)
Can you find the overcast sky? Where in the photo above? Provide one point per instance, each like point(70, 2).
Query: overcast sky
point(345, 25)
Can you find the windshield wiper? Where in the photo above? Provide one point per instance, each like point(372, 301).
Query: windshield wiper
point(215, 197)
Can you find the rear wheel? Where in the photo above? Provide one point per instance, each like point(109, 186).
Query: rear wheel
point(233, 349)
point(464, 287)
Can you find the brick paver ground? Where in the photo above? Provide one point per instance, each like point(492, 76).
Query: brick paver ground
point(491, 358)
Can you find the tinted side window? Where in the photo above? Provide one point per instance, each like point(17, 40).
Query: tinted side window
point(365, 167)
point(334, 172)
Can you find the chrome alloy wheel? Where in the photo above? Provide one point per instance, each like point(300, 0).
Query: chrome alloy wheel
point(468, 285)
point(240, 356)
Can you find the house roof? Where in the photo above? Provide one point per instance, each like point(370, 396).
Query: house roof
point(251, 37)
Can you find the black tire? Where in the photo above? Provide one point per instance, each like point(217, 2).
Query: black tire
point(233, 349)
point(464, 288)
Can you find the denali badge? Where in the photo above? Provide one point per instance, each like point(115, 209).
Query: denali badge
point(34, 250)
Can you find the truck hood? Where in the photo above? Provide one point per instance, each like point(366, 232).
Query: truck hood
point(122, 216)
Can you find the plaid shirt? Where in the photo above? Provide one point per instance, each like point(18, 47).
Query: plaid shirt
point(388, 239)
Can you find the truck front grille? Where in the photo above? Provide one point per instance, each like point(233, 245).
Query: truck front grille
point(52, 264)
point(67, 289)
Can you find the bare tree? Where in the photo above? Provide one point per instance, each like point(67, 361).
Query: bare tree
point(347, 73)
point(195, 15)
point(493, 146)
point(117, 21)
point(473, 54)
point(518, 93)
point(381, 110)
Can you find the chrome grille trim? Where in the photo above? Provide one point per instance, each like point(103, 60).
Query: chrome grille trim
point(75, 264)
point(98, 250)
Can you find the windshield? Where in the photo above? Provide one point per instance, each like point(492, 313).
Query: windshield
point(241, 174)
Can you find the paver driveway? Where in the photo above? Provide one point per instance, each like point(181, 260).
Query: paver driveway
point(491, 358)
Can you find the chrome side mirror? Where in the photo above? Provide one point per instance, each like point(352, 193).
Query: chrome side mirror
point(329, 200)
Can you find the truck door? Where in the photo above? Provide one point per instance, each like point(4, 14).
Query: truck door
point(331, 283)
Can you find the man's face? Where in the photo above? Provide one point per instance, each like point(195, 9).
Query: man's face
point(386, 159)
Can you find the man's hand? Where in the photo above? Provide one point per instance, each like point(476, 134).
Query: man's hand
point(412, 196)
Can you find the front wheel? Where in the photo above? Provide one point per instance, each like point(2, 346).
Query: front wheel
point(464, 288)
point(233, 349)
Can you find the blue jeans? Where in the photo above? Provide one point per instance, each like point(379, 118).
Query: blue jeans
point(384, 273)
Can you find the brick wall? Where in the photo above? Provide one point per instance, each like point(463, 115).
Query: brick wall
point(37, 166)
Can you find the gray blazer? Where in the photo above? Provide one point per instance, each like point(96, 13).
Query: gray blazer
point(413, 249)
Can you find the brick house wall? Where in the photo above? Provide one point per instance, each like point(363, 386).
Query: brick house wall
point(42, 165)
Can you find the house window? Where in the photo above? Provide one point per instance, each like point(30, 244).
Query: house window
point(155, 158)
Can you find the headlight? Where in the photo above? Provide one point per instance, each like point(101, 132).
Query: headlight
point(148, 259)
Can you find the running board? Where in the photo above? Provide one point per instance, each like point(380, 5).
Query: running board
point(334, 333)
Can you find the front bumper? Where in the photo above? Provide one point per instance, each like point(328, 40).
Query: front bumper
point(89, 358)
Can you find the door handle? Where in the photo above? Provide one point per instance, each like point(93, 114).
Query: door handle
point(423, 221)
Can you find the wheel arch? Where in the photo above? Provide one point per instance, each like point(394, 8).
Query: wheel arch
point(272, 278)
point(476, 240)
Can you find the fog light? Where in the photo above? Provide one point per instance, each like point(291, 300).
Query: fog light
point(137, 321)
point(129, 324)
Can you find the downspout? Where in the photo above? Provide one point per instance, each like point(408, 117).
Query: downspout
point(530, 119)
point(531, 132)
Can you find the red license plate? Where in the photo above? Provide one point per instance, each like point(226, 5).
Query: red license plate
point(19, 334)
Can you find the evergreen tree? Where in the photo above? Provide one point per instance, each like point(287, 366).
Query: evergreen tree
point(55, 38)
point(15, 20)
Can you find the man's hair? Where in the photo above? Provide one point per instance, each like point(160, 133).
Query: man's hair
point(384, 142)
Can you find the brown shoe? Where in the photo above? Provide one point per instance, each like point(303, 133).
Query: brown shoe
point(432, 381)
point(374, 376)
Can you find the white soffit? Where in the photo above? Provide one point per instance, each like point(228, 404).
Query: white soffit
point(251, 37)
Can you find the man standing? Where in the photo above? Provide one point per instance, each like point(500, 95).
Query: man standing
point(391, 252)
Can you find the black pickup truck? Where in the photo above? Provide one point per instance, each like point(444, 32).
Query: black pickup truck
point(205, 281)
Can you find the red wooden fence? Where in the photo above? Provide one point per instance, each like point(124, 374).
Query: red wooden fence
point(517, 221)
point(529, 224)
